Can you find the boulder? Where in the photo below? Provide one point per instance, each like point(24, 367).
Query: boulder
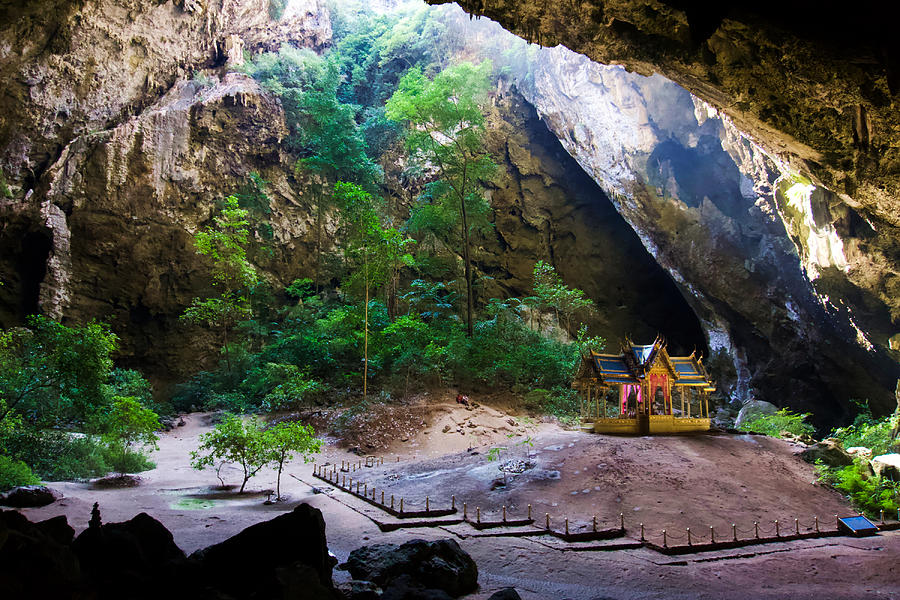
point(829, 451)
point(506, 594)
point(35, 559)
point(136, 554)
point(359, 590)
point(887, 465)
point(30, 496)
point(860, 452)
point(754, 409)
point(267, 558)
point(440, 564)
point(405, 587)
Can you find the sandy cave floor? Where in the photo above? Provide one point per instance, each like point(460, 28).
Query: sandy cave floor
point(672, 482)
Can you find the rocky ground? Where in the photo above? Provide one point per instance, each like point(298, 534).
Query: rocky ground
point(703, 477)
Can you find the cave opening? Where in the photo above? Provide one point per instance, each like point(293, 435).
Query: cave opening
point(31, 267)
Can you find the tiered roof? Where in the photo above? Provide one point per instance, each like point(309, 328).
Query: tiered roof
point(635, 361)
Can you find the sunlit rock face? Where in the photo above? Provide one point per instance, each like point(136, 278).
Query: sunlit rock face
point(729, 223)
point(71, 68)
point(817, 83)
point(547, 208)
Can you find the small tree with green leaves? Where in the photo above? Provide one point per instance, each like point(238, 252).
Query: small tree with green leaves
point(225, 242)
point(446, 129)
point(234, 440)
point(128, 429)
point(286, 439)
point(555, 294)
point(378, 252)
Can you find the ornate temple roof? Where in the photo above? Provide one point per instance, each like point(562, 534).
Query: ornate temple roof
point(636, 360)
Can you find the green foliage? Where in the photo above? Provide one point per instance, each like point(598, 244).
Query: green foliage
point(783, 420)
point(234, 440)
point(225, 242)
point(202, 79)
point(561, 402)
point(300, 288)
point(868, 493)
point(284, 440)
point(867, 431)
point(4, 188)
point(51, 373)
point(323, 131)
point(445, 128)
point(292, 387)
point(128, 429)
point(554, 294)
point(276, 9)
point(56, 455)
point(14, 473)
point(506, 353)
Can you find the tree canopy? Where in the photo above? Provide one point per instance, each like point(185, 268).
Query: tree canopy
point(445, 128)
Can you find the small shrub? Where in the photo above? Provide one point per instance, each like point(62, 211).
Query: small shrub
point(869, 494)
point(276, 9)
point(536, 399)
point(14, 473)
point(128, 430)
point(57, 455)
point(868, 431)
point(127, 462)
point(783, 420)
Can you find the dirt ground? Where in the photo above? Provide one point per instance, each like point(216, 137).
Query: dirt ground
point(664, 482)
point(661, 481)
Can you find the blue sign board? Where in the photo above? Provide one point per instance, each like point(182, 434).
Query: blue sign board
point(858, 525)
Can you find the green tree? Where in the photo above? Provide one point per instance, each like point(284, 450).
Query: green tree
point(234, 440)
point(51, 373)
point(128, 429)
point(323, 132)
point(378, 251)
point(286, 439)
point(446, 129)
point(554, 293)
point(225, 242)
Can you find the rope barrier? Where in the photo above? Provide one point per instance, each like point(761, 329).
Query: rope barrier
point(738, 534)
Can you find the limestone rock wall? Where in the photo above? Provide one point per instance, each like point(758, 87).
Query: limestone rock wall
point(70, 68)
point(133, 196)
point(115, 153)
point(754, 249)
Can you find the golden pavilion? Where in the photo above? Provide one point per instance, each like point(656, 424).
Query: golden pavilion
point(643, 390)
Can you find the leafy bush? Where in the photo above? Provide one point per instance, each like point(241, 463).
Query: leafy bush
point(14, 473)
point(128, 429)
point(276, 9)
point(57, 455)
point(783, 420)
point(131, 383)
point(52, 373)
point(868, 431)
point(868, 493)
point(506, 353)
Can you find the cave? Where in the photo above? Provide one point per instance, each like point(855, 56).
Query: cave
point(32, 267)
point(311, 250)
point(26, 252)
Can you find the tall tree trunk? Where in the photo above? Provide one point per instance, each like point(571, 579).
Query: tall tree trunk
point(227, 354)
point(318, 242)
point(278, 483)
point(366, 331)
point(470, 304)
